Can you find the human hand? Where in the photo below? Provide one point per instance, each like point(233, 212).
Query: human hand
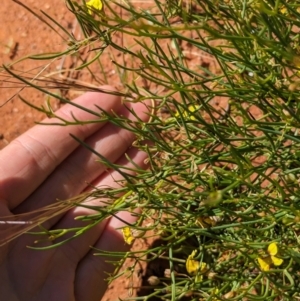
point(46, 164)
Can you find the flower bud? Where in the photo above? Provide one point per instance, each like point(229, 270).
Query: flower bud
point(153, 280)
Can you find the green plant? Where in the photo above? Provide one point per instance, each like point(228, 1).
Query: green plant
point(222, 190)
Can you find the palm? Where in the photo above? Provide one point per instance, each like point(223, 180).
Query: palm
point(54, 167)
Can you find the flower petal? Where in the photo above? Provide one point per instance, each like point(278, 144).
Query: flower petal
point(127, 235)
point(276, 261)
point(273, 249)
point(94, 4)
point(188, 114)
point(192, 266)
point(264, 263)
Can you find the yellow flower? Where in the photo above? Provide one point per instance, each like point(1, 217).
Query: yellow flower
point(94, 5)
point(186, 114)
point(271, 259)
point(195, 267)
point(283, 10)
point(127, 235)
point(192, 266)
point(212, 295)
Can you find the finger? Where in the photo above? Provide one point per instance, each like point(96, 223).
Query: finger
point(105, 236)
point(98, 267)
point(81, 168)
point(80, 246)
point(27, 161)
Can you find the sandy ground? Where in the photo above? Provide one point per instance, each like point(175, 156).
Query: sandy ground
point(21, 34)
